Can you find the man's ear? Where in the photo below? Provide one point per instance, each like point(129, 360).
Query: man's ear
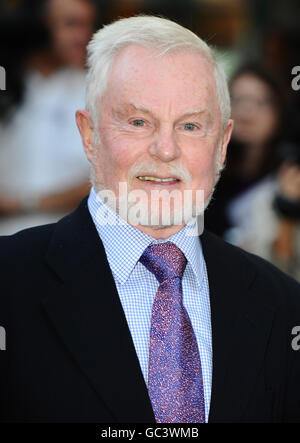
point(86, 129)
point(226, 138)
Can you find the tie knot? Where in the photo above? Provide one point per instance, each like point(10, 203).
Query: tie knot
point(164, 260)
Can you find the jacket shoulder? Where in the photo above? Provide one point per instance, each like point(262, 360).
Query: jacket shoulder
point(266, 277)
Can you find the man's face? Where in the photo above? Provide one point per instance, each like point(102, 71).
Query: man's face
point(160, 118)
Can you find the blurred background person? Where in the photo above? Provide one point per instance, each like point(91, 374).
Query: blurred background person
point(256, 204)
point(285, 248)
point(285, 252)
point(43, 170)
point(252, 159)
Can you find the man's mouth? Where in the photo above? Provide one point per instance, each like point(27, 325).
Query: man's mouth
point(158, 179)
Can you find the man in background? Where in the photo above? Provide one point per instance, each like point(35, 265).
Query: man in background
point(43, 172)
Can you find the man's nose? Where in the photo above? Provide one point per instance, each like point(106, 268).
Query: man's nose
point(165, 146)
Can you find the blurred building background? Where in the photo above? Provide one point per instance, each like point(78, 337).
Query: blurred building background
point(260, 39)
point(239, 29)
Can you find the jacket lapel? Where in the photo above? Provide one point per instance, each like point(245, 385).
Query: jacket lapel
point(241, 325)
point(84, 307)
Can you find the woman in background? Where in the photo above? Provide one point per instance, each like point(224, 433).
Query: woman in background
point(251, 156)
point(243, 210)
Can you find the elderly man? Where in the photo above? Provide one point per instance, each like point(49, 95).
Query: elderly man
point(112, 315)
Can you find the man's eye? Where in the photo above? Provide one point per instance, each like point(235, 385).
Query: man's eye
point(190, 127)
point(138, 123)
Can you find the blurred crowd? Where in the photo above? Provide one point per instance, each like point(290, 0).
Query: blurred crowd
point(43, 169)
point(257, 202)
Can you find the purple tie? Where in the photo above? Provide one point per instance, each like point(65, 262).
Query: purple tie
point(175, 378)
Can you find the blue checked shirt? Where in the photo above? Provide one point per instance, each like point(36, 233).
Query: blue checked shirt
point(124, 244)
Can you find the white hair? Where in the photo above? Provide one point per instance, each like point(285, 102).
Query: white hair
point(148, 31)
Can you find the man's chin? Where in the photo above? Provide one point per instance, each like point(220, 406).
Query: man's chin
point(154, 214)
point(162, 218)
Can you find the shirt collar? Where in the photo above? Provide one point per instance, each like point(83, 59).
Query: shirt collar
point(120, 239)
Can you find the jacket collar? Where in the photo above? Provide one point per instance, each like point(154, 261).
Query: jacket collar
point(132, 242)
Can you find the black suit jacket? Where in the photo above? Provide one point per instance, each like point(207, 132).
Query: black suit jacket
point(69, 353)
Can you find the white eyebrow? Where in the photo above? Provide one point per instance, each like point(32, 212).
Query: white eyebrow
point(140, 108)
point(194, 111)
